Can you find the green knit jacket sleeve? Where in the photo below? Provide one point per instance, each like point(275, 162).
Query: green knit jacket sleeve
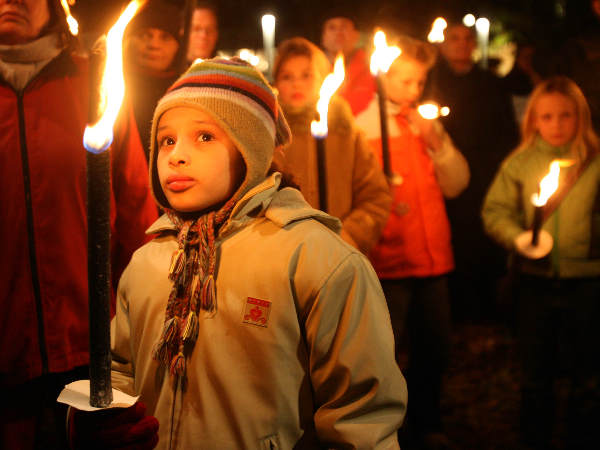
point(502, 210)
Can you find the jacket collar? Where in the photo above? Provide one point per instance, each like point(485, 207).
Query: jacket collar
point(281, 207)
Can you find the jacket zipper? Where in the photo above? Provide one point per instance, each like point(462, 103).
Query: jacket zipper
point(35, 281)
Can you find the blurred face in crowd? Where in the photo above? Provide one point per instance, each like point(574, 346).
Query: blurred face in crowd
point(595, 4)
point(154, 49)
point(298, 82)
point(405, 81)
point(339, 35)
point(198, 164)
point(556, 118)
point(204, 33)
point(22, 21)
point(457, 48)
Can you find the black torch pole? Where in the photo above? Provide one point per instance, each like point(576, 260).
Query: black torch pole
point(322, 174)
point(536, 225)
point(385, 144)
point(98, 216)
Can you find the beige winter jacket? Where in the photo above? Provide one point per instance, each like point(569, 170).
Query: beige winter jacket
point(357, 191)
point(299, 354)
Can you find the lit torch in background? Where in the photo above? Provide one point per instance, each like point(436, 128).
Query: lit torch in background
point(268, 29)
point(319, 128)
point(436, 35)
point(97, 139)
point(381, 59)
point(432, 111)
point(73, 25)
point(548, 186)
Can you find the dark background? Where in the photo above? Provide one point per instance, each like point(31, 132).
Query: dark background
point(545, 22)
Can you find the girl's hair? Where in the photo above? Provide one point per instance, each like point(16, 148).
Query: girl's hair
point(585, 140)
point(298, 46)
point(420, 51)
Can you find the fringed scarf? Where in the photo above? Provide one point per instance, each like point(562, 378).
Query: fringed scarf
point(192, 271)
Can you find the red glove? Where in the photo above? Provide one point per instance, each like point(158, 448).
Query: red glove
point(115, 428)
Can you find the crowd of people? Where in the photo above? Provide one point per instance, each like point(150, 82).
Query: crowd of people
point(274, 290)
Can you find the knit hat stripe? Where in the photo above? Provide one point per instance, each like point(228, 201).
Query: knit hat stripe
point(248, 87)
point(231, 88)
point(197, 98)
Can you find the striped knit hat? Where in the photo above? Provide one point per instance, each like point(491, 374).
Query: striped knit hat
point(241, 102)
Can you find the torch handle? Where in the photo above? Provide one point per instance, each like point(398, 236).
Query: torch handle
point(383, 121)
point(322, 174)
point(98, 197)
point(536, 225)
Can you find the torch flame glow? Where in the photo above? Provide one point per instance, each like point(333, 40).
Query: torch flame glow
point(437, 30)
point(432, 110)
point(99, 136)
point(331, 84)
point(73, 25)
point(383, 56)
point(549, 183)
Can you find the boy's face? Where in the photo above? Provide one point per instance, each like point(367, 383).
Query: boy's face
point(204, 33)
point(339, 35)
point(556, 118)
point(154, 49)
point(198, 164)
point(405, 81)
point(297, 82)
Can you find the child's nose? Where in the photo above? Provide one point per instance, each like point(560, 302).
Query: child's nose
point(179, 156)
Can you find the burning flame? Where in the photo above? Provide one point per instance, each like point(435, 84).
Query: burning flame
point(331, 84)
point(432, 111)
point(549, 183)
point(73, 25)
point(99, 136)
point(437, 30)
point(383, 56)
point(249, 56)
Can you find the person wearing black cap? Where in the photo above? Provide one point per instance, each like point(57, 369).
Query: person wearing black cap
point(339, 34)
point(153, 56)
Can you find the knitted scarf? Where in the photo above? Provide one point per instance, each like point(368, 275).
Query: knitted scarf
point(192, 271)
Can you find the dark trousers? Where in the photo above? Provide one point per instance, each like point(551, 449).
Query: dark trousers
point(559, 336)
point(420, 313)
point(30, 416)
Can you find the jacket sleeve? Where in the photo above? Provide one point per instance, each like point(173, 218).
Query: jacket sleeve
point(501, 214)
point(360, 393)
point(135, 208)
point(371, 199)
point(122, 373)
point(451, 167)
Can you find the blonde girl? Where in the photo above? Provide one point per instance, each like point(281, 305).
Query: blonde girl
point(557, 294)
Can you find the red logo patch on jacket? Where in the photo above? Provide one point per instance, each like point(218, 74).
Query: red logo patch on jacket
point(257, 311)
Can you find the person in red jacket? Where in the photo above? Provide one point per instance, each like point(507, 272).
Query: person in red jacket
point(414, 254)
point(340, 35)
point(44, 102)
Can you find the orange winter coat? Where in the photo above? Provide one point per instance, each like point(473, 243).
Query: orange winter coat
point(416, 239)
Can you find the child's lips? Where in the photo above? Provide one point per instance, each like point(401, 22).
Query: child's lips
point(179, 183)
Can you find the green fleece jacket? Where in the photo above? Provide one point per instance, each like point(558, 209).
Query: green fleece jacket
point(574, 225)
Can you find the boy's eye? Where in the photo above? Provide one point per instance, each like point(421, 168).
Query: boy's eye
point(205, 137)
point(165, 141)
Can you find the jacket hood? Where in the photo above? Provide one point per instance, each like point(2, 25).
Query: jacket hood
point(281, 207)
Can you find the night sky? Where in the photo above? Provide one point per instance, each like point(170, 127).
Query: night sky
point(544, 21)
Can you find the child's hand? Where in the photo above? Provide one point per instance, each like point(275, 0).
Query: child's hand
point(119, 428)
point(426, 130)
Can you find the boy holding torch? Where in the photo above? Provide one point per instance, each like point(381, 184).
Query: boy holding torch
point(414, 254)
point(246, 322)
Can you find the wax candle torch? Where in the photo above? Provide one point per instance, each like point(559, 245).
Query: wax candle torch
point(548, 185)
point(381, 59)
point(268, 30)
point(97, 139)
point(319, 129)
